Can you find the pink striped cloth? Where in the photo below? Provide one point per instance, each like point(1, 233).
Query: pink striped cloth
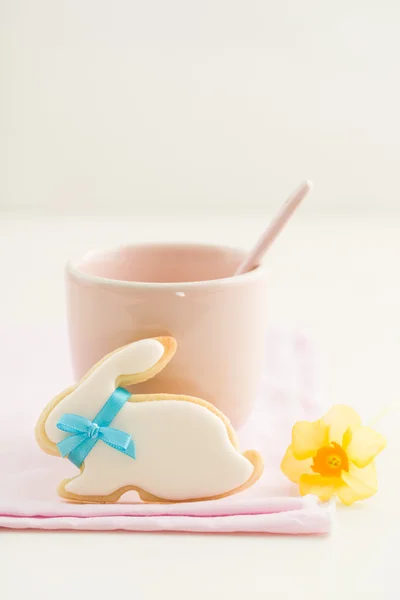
point(35, 368)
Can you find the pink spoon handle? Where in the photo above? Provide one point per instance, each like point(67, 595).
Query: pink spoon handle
point(273, 230)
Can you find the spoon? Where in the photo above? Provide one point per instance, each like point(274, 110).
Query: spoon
point(273, 230)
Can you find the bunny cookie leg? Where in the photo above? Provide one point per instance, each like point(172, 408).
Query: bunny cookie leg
point(80, 488)
point(252, 456)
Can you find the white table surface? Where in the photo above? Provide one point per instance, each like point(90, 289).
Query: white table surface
point(336, 278)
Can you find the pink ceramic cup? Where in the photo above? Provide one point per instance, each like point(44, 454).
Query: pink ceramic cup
point(183, 290)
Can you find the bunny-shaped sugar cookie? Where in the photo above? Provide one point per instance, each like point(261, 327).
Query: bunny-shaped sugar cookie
point(167, 447)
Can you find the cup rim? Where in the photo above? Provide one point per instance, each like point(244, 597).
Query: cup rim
point(73, 270)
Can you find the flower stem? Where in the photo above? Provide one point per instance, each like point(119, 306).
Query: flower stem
point(384, 412)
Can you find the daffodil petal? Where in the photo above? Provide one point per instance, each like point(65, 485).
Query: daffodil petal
point(308, 437)
point(339, 418)
point(293, 468)
point(348, 434)
point(358, 484)
point(323, 487)
point(364, 445)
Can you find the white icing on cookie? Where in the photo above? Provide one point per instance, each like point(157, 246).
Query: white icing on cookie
point(89, 397)
point(183, 450)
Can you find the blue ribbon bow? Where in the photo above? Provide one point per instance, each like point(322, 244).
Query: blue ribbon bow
point(86, 433)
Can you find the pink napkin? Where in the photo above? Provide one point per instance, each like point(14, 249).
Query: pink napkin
point(36, 367)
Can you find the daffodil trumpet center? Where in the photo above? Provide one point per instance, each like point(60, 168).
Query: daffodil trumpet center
point(330, 461)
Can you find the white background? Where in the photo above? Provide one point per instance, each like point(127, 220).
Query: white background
point(185, 106)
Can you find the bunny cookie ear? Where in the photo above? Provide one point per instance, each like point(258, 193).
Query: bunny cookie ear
point(136, 358)
point(128, 365)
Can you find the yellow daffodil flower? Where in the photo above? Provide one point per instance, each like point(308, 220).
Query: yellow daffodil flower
point(334, 456)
